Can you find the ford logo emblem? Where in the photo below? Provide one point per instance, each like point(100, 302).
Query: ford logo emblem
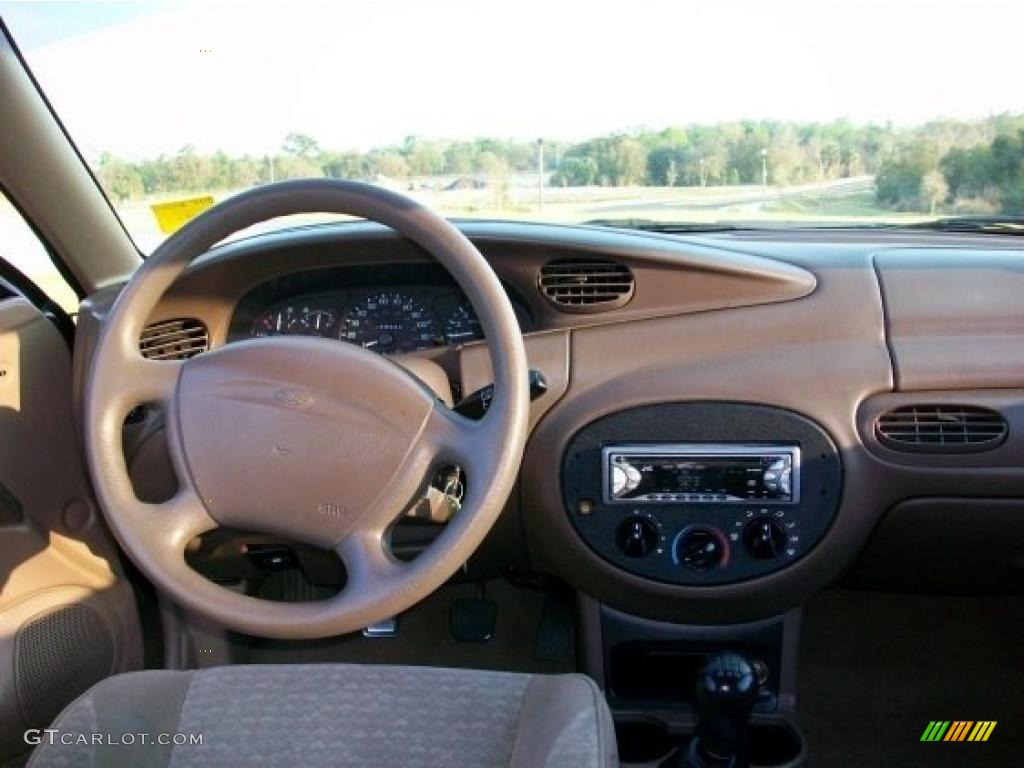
point(291, 398)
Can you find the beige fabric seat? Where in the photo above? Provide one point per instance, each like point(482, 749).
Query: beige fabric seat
point(336, 715)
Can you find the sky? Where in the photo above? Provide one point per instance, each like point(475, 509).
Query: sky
point(139, 79)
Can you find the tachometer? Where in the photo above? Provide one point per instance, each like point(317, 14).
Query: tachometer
point(390, 322)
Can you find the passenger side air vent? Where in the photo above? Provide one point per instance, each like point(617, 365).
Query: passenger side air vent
point(174, 339)
point(586, 285)
point(941, 428)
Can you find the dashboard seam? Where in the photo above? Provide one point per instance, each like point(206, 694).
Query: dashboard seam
point(886, 322)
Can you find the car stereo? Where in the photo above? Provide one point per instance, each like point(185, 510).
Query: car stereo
point(700, 473)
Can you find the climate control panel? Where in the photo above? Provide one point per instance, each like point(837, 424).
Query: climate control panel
point(702, 493)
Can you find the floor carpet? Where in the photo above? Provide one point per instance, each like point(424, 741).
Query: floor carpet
point(876, 668)
point(424, 637)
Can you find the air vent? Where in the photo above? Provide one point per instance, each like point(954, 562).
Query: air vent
point(941, 428)
point(586, 285)
point(174, 339)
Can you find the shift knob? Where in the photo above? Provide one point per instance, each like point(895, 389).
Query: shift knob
point(726, 693)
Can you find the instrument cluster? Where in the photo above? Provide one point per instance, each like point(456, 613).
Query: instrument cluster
point(387, 320)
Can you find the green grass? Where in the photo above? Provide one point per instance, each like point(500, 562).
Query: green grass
point(857, 205)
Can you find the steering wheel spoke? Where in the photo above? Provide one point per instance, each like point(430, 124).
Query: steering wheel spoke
point(182, 518)
point(451, 437)
point(367, 561)
point(164, 529)
point(153, 381)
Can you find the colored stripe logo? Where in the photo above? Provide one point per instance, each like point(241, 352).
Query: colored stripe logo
point(958, 730)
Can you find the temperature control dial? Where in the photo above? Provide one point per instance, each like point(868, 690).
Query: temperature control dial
point(637, 536)
point(699, 549)
point(764, 539)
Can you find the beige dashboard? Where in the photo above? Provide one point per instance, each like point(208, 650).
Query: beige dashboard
point(837, 327)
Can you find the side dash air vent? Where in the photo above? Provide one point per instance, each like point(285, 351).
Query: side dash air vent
point(586, 285)
point(941, 428)
point(174, 339)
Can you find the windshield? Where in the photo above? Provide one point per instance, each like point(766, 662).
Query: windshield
point(726, 111)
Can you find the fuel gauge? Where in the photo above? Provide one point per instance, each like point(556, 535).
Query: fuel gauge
point(276, 322)
point(317, 321)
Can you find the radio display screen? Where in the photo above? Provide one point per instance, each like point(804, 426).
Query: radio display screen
point(733, 476)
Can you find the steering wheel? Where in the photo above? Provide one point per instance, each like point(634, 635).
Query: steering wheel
point(318, 441)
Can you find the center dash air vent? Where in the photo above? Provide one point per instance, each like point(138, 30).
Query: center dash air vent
point(174, 339)
point(941, 428)
point(586, 285)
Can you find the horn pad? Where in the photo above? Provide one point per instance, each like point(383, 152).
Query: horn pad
point(296, 436)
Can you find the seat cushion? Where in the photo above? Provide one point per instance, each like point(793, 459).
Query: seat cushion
point(335, 715)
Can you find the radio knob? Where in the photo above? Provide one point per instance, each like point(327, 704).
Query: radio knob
point(764, 539)
point(636, 536)
point(699, 549)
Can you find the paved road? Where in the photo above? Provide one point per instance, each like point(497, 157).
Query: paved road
point(750, 199)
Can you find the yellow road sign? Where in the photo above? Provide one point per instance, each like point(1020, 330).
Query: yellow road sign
point(172, 216)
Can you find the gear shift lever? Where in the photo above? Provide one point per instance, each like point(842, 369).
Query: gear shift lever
point(726, 693)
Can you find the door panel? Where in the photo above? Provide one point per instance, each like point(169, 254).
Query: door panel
point(67, 613)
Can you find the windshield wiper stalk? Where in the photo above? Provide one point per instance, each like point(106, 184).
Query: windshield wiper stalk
point(995, 225)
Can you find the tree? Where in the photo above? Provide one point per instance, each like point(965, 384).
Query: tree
point(392, 164)
point(491, 164)
point(458, 157)
point(190, 171)
point(425, 158)
point(898, 183)
point(900, 178)
point(628, 161)
point(345, 165)
point(300, 145)
point(979, 162)
point(119, 179)
point(495, 168)
point(933, 189)
point(576, 172)
point(664, 165)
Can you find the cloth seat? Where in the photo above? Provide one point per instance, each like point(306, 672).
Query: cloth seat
point(335, 715)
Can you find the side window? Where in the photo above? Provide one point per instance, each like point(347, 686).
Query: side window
point(20, 247)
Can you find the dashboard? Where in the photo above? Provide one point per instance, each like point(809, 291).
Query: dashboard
point(386, 309)
point(890, 360)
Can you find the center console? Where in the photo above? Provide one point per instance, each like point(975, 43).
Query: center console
point(701, 493)
point(651, 674)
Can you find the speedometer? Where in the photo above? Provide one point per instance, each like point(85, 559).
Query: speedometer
point(390, 322)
